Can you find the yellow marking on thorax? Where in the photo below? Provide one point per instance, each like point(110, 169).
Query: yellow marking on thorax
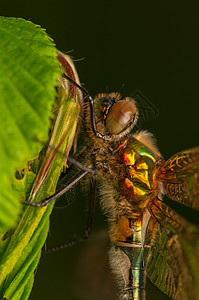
point(129, 158)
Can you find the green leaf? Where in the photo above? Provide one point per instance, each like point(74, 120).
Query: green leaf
point(28, 76)
point(20, 248)
point(22, 251)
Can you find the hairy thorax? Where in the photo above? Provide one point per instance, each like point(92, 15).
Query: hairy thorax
point(129, 168)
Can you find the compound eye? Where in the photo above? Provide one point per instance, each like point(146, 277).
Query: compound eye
point(120, 115)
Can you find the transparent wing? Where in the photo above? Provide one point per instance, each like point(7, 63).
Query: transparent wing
point(172, 254)
point(180, 177)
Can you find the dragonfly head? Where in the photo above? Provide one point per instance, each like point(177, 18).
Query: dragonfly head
point(115, 116)
point(120, 115)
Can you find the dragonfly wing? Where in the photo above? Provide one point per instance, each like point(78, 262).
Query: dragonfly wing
point(171, 254)
point(180, 177)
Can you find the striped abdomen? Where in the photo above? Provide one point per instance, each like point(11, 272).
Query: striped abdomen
point(126, 255)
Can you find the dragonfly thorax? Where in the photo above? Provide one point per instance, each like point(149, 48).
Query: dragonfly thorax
point(129, 166)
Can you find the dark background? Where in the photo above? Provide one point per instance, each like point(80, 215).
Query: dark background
point(148, 47)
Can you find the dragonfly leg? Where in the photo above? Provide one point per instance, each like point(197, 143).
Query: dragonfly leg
point(71, 183)
point(88, 228)
point(73, 161)
point(92, 109)
point(81, 166)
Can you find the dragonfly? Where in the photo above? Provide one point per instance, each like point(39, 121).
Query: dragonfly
point(148, 238)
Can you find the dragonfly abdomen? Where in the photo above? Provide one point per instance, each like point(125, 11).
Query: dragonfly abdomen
point(126, 255)
point(127, 265)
